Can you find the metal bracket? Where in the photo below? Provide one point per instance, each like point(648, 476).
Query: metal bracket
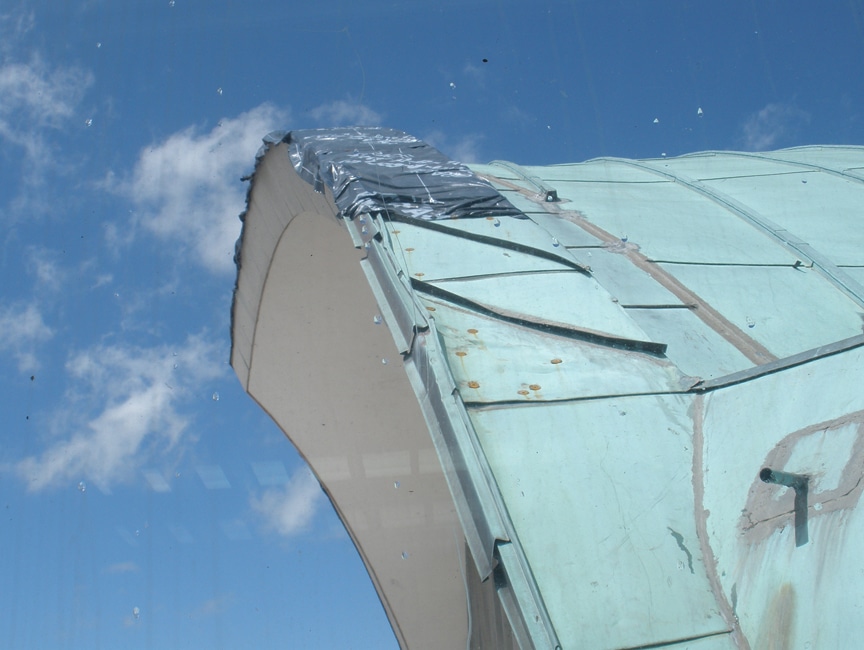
point(800, 483)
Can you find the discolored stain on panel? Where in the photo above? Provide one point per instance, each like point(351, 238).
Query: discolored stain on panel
point(778, 621)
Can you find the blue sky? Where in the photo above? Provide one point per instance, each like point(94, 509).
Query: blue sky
point(146, 501)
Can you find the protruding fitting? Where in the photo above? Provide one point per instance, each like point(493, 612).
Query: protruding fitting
point(800, 483)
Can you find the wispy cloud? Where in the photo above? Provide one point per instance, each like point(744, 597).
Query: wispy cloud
point(464, 149)
point(121, 567)
point(187, 188)
point(345, 113)
point(772, 126)
point(289, 510)
point(35, 98)
point(124, 412)
point(212, 607)
point(23, 328)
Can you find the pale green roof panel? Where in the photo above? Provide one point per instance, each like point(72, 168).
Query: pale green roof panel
point(569, 297)
point(670, 222)
point(798, 204)
point(495, 361)
point(787, 310)
point(612, 537)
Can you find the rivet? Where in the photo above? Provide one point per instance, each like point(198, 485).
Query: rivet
point(524, 392)
point(472, 331)
point(396, 232)
point(419, 275)
point(461, 353)
point(409, 249)
point(556, 361)
point(473, 384)
point(430, 308)
point(534, 387)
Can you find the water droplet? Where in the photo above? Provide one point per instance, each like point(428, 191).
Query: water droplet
point(624, 238)
point(88, 121)
point(377, 319)
point(219, 90)
point(82, 486)
point(361, 219)
point(817, 506)
point(384, 361)
point(98, 45)
point(396, 484)
point(175, 366)
point(699, 111)
point(452, 85)
point(364, 230)
point(751, 323)
point(215, 397)
point(404, 555)
point(555, 242)
point(497, 223)
point(137, 533)
point(656, 120)
point(135, 611)
point(170, 3)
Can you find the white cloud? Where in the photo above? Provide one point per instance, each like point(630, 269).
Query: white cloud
point(187, 188)
point(35, 96)
point(345, 113)
point(288, 510)
point(770, 126)
point(23, 327)
point(464, 149)
point(133, 396)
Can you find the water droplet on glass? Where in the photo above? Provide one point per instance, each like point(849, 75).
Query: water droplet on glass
point(404, 555)
point(215, 397)
point(98, 45)
point(751, 323)
point(88, 122)
point(377, 319)
point(699, 111)
point(624, 238)
point(170, 3)
point(817, 506)
point(656, 120)
point(364, 230)
point(555, 242)
point(361, 219)
point(219, 90)
point(497, 223)
point(136, 612)
point(175, 366)
point(384, 361)
point(82, 486)
point(396, 484)
point(137, 533)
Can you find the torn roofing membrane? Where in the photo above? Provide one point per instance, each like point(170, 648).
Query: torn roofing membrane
point(375, 169)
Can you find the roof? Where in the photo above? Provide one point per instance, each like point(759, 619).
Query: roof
point(603, 363)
